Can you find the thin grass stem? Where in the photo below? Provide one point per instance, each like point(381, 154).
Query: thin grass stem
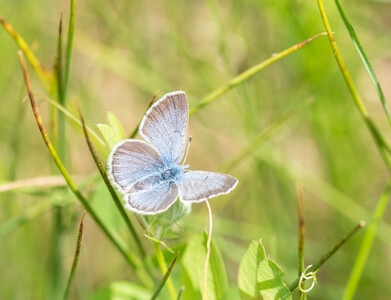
point(367, 244)
point(129, 258)
point(69, 48)
point(75, 258)
point(165, 278)
point(365, 60)
point(381, 143)
point(315, 267)
point(246, 75)
point(46, 77)
point(163, 268)
point(113, 194)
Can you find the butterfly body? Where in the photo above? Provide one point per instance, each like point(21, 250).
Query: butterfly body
point(170, 174)
point(151, 174)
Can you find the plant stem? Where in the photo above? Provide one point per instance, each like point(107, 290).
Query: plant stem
point(329, 254)
point(129, 258)
point(301, 226)
point(117, 201)
point(366, 244)
point(163, 268)
point(75, 257)
point(379, 140)
point(241, 78)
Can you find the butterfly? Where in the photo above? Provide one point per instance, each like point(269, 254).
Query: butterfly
point(151, 174)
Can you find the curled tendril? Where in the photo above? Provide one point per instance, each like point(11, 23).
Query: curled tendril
point(307, 276)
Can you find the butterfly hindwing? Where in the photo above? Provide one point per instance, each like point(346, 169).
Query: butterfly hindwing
point(197, 186)
point(154, 200)
point(131, 161)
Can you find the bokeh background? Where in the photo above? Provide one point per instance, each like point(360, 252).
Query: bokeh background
point(124, 51)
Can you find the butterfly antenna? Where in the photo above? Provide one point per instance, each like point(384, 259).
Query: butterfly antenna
point(187, 149)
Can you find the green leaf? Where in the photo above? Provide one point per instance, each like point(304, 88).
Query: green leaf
point(248, 269)
point(270, 281)
point(122, 290)
point(260, 276)
point(193, 263)
point(113, 132)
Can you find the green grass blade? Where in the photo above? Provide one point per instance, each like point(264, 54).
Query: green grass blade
point(114, 60)
point(315, 267)
point(163, 268)
point(329, 194)
point(180, 294)
point(61, 128)
point(9, 226)
point(367, 243)
point(301, 229)
point(264, 134)
point(165, 277)
point(61, 146)
point(58, 66)
point(75, 258)
point(376, 134)
point(337, 54)
point(365, 60)
point(75, 120)
point(47, 78)
point(241, 78)
point(113, 194)
point(69, 47)
point(116, 242)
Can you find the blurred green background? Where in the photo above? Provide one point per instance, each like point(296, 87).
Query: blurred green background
point(124, 51)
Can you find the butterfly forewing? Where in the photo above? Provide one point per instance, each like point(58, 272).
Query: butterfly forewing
point(154, 200)
point(197, 186)
point(131, 161)
point(165, 126)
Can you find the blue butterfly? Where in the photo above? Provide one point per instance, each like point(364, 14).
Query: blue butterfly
point(151, 174)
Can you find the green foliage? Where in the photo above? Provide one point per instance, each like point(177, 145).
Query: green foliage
point(112, 132)
point(193, 264)
point(122, 290)
point(268, 105)
point(260, 276)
